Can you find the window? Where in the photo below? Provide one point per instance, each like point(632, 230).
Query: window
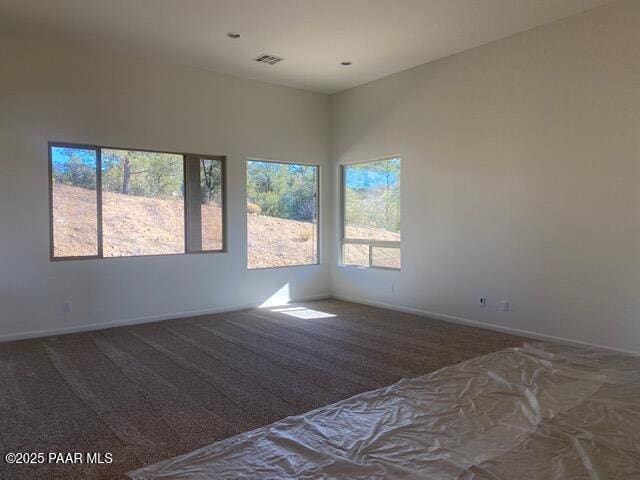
point(108, 202)
point(74, 201)
point(282, 214)
point(142, 203)
point(205, 206)
point(371, 214)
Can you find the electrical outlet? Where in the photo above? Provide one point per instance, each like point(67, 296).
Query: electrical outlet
point(483, 302)
point(504, 306)
point(66, 307)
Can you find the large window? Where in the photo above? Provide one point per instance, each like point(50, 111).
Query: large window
point(371, 214)
point(282, 214)
point(109, 202)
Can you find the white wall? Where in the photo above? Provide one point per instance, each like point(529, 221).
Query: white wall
point(56, 92)
point(521, 179)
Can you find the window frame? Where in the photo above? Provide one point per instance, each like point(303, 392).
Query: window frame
point(223, 185)
point(370, 243)
point(100, 244)
point(246, 214)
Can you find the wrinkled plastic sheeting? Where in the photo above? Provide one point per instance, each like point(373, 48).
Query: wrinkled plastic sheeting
point(541, 411)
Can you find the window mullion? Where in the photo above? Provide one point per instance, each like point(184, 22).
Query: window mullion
point(99, 201)
point(185, 200)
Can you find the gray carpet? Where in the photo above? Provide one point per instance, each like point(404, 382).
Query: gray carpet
point(149, 392)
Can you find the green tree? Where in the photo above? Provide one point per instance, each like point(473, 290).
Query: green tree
point(143, 174)
point(283, 190)
point(78, 168)
point(210, 181)
point(372, 194)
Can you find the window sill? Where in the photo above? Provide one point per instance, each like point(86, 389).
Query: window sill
point(372, 267)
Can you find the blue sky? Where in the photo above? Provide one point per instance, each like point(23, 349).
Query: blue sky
point(60, 156)
point(358, 176)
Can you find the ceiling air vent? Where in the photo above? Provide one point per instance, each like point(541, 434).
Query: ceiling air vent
point(268, 59)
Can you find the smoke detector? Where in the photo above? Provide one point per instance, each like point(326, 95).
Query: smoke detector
point(268, 59)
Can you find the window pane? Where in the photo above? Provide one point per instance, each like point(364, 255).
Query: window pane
point(75, 202)
point(386, 257)
point(282, 214)
point(142, 203)
point(211, 189)
point(204, 189)
point(355, 254)
point(372, 200)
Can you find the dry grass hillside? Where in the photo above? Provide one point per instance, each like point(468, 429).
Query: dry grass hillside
point(359, 254)
point(149, 226)
point(131, 225)
point(278, 242)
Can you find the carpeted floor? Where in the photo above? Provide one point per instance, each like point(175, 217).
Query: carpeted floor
point(149, 392)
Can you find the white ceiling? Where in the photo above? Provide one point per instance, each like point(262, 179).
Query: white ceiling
point(380, 37)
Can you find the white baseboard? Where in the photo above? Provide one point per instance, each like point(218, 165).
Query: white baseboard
point(488, 326)
point(139, 320)
point(230, 308)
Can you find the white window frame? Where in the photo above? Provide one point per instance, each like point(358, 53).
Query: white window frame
point(361, 241)
point(318, 222)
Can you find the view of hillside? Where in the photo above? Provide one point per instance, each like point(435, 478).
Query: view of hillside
point(283, 214)
point(143, 208)
point(372, 212)
point(130, 224)
point(133, 224)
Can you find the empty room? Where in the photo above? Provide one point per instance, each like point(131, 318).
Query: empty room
point(320, 239)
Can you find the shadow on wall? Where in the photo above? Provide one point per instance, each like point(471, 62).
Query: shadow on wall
point(380, 108)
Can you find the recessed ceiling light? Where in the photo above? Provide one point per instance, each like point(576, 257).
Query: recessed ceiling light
point(233, 35)
point(346, 64)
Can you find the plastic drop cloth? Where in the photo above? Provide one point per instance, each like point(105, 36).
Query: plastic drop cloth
point(541, 411)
